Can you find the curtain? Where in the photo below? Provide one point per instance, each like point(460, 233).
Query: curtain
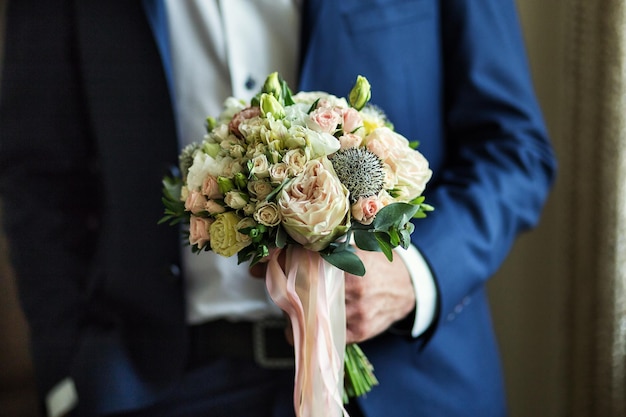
point(594, 169)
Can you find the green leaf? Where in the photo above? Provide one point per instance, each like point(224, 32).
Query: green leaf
point(405, 237)
point(366, 240)
point(395, 214)
point(385, 246)
point(281, 237)
point(276, 190)
point(313, 106)
point(346, 261)
point(394, 237)
point(287, 97)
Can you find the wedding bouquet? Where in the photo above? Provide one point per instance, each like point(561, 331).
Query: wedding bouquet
point(311, 174)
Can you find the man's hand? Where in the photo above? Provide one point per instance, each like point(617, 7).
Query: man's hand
point(378, 299)
point(374, 301)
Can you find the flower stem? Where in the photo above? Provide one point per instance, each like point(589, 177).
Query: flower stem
point(359, 373)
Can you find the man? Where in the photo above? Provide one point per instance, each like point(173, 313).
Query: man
point(88, 130)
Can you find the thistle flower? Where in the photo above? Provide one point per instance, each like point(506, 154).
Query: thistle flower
point(185, 159)
point(360, 171)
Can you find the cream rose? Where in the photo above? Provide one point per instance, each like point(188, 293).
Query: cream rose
point(235, 199)
point(199, 230)
point(295, 159)
point(267, 214)
point(260, 166)
point(409, 166)
point(260, 189)
point(314, 206)
point(278, 173)
point(244, 223)
point(223, 232)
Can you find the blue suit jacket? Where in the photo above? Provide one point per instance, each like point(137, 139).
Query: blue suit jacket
point(86, 121)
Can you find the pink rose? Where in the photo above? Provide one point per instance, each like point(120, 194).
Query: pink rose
point(240, 117)
point(213, 207)
point(352, 120)
point(210, 188)
point(324, 119)
point(195, 202)
point(350, 140)
point(199, 231)
point(365, 209)
point(314, 206)
point(409, 166)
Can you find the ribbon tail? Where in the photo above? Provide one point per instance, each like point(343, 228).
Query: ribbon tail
point(311, 292)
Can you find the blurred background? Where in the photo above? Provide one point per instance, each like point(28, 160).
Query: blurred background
point(559, 301)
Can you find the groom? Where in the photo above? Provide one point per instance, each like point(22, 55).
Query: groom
point(96, 101)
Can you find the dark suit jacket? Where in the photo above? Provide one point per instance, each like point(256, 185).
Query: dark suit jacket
point(87, 132)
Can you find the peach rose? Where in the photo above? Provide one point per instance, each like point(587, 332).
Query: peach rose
point(199, 231)
point(213, 207)
point(210, 188)
point(195, 202)
point(314, 206)
point(324, 119)
point(350, 140)
point(352, 120)
point(240, 117)
point(365, 209)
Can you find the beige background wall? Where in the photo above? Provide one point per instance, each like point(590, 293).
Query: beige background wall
point(528, 295)
point(531, 295)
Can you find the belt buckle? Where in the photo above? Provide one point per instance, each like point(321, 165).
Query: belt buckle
point(263, 333)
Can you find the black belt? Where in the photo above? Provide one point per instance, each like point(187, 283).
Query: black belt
point(263, 341)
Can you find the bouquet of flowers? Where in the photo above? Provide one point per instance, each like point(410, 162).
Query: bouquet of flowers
point(313, 175)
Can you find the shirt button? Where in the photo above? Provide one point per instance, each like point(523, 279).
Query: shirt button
point(250, 83)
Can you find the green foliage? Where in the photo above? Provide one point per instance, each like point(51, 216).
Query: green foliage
point(174, 212)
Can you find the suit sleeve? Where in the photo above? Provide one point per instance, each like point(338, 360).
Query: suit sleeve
point(499, 164)
point(48, 180)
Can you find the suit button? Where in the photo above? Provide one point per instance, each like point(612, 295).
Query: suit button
point(174, 271)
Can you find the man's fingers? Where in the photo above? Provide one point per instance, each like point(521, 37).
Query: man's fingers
point(258, 270)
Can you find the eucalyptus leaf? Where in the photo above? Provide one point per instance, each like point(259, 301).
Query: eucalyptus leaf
point(366, 240)
point(385, 246)
point(346, 261)
point(393, 215)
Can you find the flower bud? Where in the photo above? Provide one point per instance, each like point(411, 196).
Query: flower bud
point(241, 181)
point(272, 86)
point(361, 93)
point(269, 104)
point(225, 184)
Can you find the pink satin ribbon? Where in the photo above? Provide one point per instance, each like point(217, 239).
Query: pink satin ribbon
point(312, 294)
